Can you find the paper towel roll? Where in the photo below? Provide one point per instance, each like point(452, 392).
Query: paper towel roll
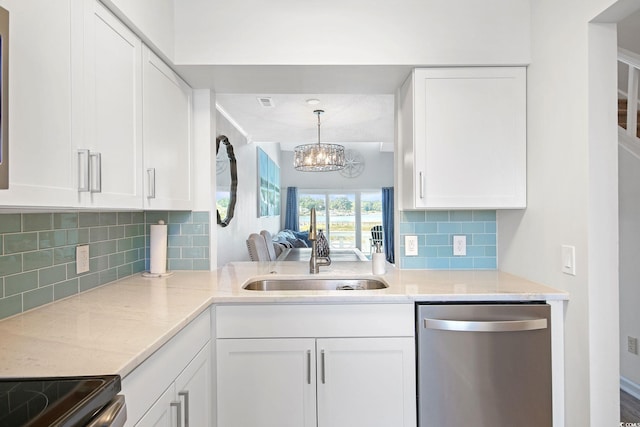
point(158, 248)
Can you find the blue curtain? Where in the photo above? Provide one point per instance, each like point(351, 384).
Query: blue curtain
point(387, 223)
point(291, 214)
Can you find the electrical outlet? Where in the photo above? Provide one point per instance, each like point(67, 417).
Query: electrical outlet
point(632, 345)
point(411, 245)
point(459, 245)
point(82, 259)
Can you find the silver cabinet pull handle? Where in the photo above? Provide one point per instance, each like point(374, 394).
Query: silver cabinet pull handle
point(486, 326)
point(322, 367)
point(151, 174)
point(83, 171)
point(96, 172)
point(185, 394)
point(178, 407)
point(421, 186)
point(308, 366)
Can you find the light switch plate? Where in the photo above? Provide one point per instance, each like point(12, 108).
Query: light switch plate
point(82, 259)
point(411, 245)
point(569, 260)
point(632, 345)
point(459, 245)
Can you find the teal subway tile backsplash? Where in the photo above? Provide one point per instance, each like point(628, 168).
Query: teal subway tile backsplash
point(37, 251)
point(188, 247)
point(435, 231)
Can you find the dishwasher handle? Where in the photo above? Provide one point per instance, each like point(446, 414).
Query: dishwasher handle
point(486, 326)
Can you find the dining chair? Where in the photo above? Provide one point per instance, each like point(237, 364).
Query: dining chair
point(376, 237)
point(257, 248)
point(268, 239)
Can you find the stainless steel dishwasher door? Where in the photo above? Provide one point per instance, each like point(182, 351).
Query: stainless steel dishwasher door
point(484, 365)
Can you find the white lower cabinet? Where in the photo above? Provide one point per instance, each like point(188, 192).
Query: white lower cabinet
point(173, 387)
point(268, 382)
point(366, 382)
point(187, 401)
point(341, 375)
point(162, 412)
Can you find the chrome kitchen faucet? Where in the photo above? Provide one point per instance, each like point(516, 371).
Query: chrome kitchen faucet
point(315, 262)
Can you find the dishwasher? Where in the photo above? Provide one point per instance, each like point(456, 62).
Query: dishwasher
point(484, 365)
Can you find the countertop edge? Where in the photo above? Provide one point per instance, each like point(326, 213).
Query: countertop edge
point(36, 353)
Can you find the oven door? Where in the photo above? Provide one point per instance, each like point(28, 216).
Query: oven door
point(112, 415)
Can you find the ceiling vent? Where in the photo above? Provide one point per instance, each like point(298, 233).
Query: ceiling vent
point(265, 101)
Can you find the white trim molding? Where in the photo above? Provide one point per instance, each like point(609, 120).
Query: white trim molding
point(630, 387)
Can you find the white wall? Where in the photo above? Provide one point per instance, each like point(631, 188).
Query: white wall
point(204, 182)
point(628, 31)
point(629, 211)
point(629, 215)
point(352, 32)
point(571, 174)
point(231, 240)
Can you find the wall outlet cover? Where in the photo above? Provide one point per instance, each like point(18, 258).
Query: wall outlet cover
point(459, 245)
point(411, 245)
point(82, 259)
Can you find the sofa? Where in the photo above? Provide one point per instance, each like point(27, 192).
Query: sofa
point(292, 239)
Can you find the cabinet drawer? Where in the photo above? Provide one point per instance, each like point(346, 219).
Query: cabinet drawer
point(144, 385)
point(298, 321)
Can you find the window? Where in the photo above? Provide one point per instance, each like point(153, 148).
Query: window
point(349, 218)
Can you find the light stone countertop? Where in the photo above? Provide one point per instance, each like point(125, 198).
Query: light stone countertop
point(114, 328)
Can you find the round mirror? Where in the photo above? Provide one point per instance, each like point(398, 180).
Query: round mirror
point(226, 181)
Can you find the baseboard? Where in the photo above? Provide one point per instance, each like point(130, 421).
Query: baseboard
point(630, 387)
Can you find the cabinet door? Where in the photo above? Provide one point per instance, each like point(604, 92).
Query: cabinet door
point(366, 382)
point(193, 388)
point(163, 413)
point(470, 138)
point(111, 112)
point(266, 382)
point(167, 136)
point(41, 162)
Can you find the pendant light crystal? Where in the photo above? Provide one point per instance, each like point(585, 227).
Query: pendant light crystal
point(319, 157)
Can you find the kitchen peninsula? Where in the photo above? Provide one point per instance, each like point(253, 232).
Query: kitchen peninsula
point(122, 327)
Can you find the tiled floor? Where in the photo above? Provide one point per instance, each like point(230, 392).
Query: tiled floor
point(629, 408)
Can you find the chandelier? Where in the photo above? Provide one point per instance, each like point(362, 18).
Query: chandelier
point(319, 157)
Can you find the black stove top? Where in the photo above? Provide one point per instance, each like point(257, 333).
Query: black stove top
point(54, 401)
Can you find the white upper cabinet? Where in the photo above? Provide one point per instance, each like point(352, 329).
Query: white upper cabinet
point(167, 106)
point(462, 138)
point(107, 110)
point(41, 164)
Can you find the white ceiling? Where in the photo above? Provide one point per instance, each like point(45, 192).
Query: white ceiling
point(358, 101)
point(348, 118)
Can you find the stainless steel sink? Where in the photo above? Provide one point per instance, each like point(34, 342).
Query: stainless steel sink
point(315, 285)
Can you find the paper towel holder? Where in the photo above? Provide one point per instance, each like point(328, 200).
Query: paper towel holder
point(159, 249)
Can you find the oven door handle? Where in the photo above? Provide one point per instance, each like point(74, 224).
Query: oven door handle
point(113, 415)
point(486, 326)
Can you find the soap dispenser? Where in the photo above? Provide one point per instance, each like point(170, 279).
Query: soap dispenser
point(378, 260)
